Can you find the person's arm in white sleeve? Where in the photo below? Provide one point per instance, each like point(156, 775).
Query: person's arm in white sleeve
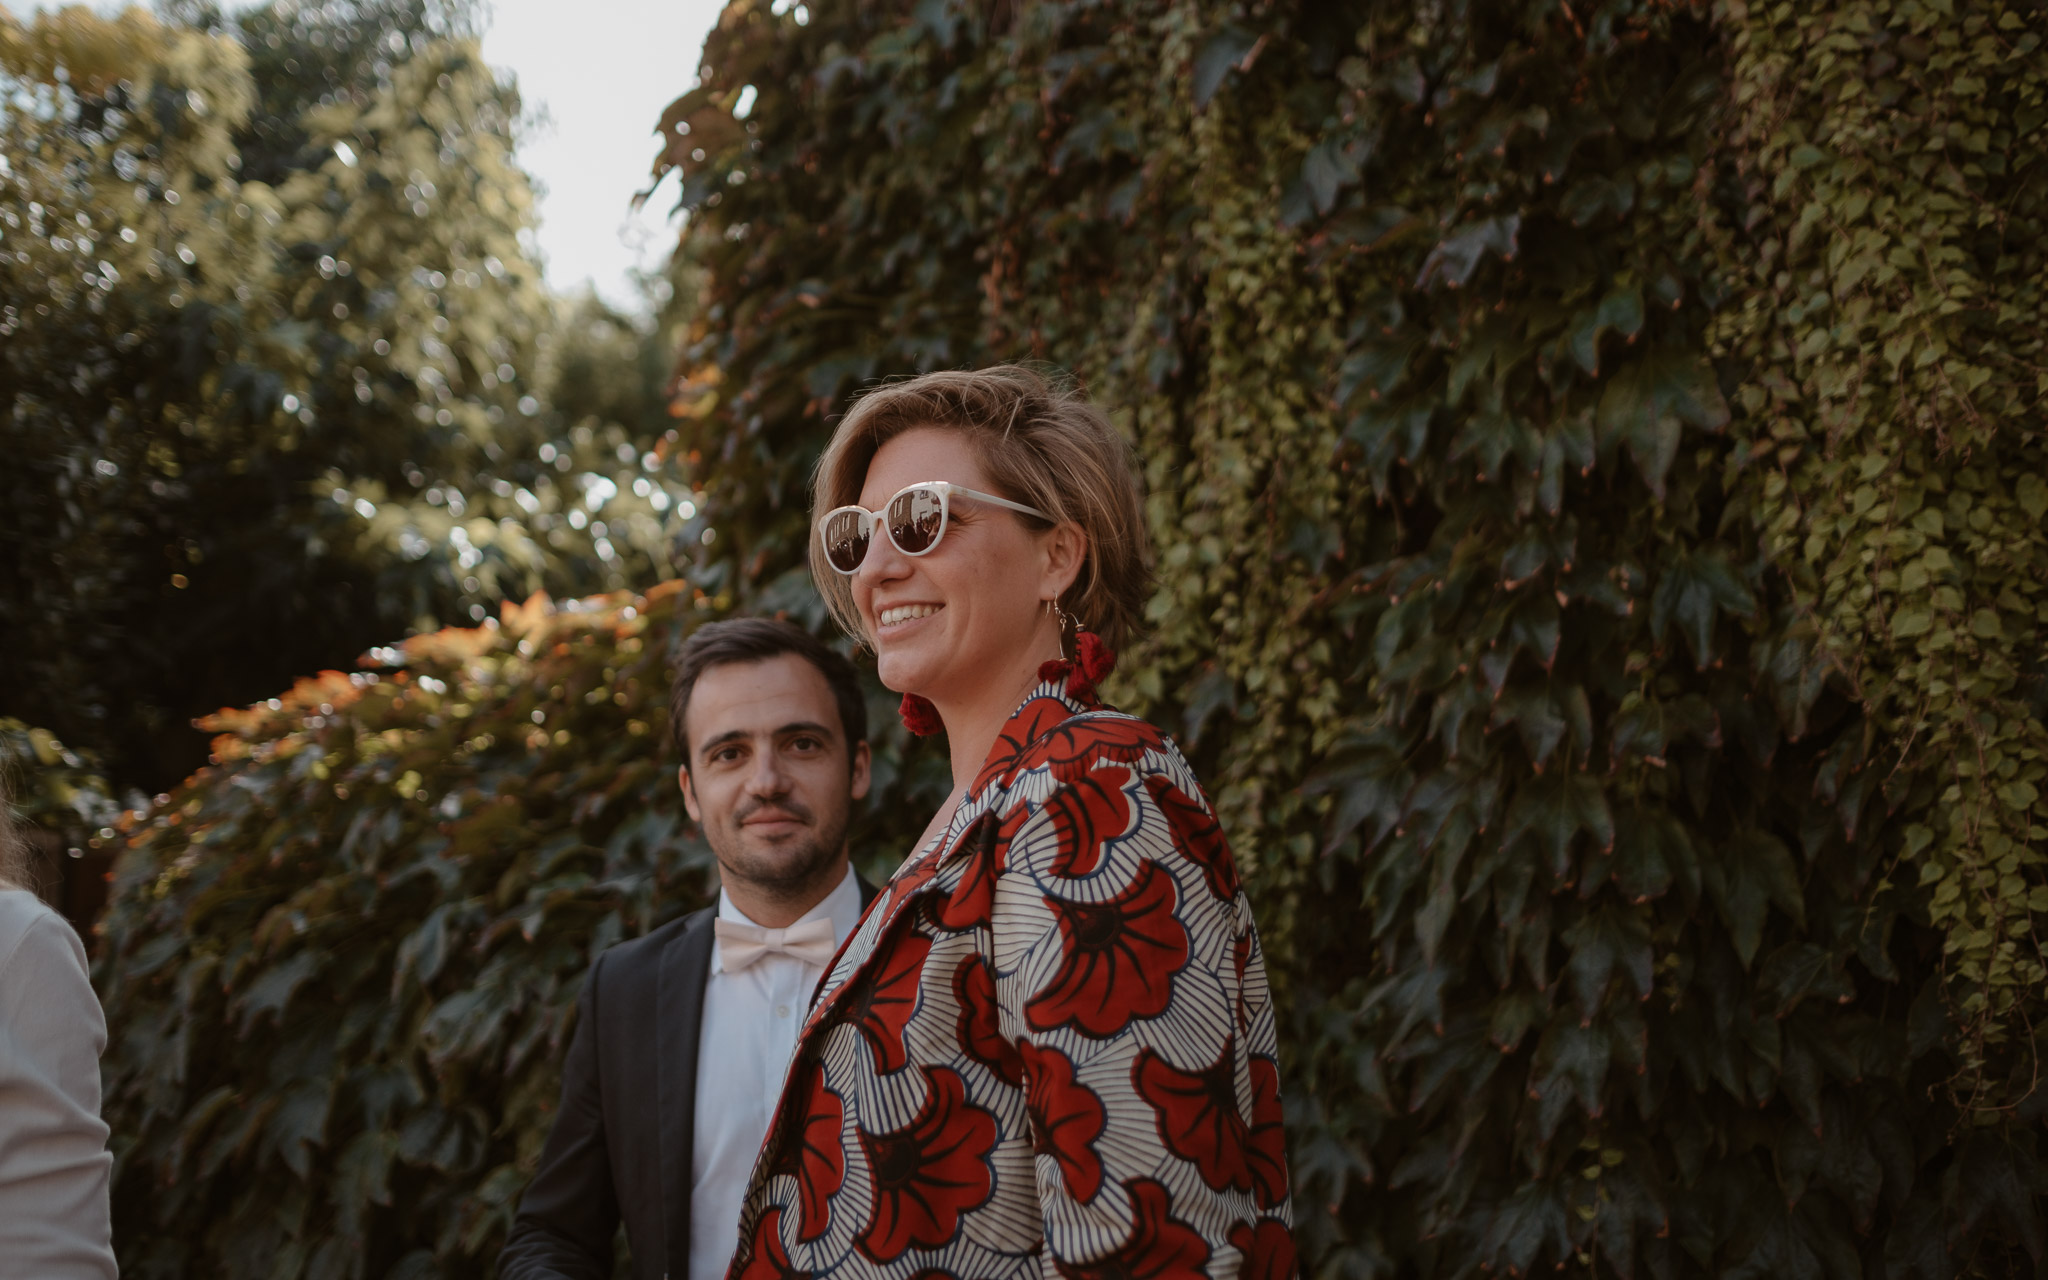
point(54, 1163)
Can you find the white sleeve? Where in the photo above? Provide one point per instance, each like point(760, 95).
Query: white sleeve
point(54, 1163)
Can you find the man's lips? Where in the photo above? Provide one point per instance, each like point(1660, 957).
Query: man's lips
point(771, 817)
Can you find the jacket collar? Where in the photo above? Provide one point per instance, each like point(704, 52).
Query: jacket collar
point(1047, 707)
point(1044, 709)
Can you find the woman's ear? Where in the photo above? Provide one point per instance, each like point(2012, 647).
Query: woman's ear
point(1066, 549)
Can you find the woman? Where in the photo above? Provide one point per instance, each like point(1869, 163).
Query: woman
point(1049, 1044)
point(54, 1163)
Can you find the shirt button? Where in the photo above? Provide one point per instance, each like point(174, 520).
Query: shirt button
point(782, 1011)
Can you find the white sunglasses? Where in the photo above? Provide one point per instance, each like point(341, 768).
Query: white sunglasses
point(915, 519)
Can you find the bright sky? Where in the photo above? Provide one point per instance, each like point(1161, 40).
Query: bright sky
point(602, 70)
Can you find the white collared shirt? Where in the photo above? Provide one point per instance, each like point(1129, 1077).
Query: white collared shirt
point(749, 1030)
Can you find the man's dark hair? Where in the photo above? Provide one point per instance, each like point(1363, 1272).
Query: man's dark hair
point(716, 644)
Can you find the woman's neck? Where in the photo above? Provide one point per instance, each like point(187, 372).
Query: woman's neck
point(974, 721)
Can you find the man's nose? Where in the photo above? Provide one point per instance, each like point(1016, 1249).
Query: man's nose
point(767, 777)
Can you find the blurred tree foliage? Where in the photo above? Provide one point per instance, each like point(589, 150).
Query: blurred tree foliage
point(1534, 422)
point(68, 796)
point(60, 801)
point(278, 378)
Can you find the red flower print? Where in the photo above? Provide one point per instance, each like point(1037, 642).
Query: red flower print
point(1119, 962)
point(1197, 834)
point(1161, 1247)
point(1046, 732)
point(972, 901)
point(811, 1148)
point(1066, 1119)
point(883, 998)
point(1198, 1116)
point(980, 1021)
point(1241, 959)
point(1025, 726)
point(1086, 813)
point(767, 1260)
point(909, 878)
point(1071, 748)
point(1268, 1250)
point(927, 1175)
point(1268, 1153)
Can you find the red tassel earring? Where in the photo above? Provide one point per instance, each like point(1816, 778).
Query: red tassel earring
point(1095, 658)
point(1092, 662)
point(920, 716)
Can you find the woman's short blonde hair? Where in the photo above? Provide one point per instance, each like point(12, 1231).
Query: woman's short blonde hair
point(13, 849)
point(1043, 445)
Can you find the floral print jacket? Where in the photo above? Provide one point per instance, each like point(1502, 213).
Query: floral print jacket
point(1048, 1049)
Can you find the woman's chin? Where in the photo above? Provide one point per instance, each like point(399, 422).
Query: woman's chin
point(902, 672)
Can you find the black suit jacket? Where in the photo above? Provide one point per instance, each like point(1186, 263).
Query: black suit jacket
point(620, 1149)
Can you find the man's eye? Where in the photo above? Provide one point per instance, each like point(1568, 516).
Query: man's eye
point(807, 744)
point(725, 755)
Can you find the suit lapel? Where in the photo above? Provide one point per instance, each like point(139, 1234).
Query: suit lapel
point(685, 966)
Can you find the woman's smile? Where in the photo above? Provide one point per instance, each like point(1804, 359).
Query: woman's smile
point(897, 617)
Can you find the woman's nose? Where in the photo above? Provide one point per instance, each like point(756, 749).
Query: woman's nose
point(884, 563)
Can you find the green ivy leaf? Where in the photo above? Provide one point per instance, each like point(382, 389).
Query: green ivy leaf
point(1910, 622)
point(1221, 54)
point(1328, 168)
point(1692, 592)
point(1621, 310)
point(1529, 708)
point(1573, 1056)
point(272, 991)
point(1796, 971)
point(1609, 938)
point(1554, 808)
point(1755, 873)
point(1591, 197)
point(1454, 260)
point(1651, 853)
point(298, 1125)
point(1645, 404)
point(2032, 493)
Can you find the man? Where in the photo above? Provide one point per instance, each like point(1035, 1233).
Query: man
point(773, 735)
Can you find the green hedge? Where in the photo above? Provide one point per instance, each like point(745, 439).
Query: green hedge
point(1513, 605)
point(341, 963)
point(335, 994)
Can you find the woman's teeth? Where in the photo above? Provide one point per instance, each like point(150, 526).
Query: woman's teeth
point(905, 612)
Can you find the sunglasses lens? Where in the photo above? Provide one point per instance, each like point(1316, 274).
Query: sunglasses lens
point(916, 520)
point(846, 541)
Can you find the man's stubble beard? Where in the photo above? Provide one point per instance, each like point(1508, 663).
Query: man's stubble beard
point(794, 872)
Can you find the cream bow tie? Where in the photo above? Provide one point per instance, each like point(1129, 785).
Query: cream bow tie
point(739, 945)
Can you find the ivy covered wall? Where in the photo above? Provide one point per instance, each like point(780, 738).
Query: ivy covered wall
point(1889, 269)
point(1595, 453)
